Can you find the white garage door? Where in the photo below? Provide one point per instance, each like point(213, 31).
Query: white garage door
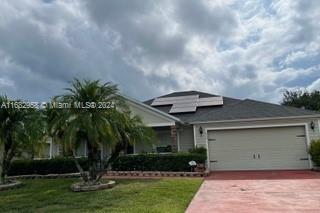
point(258, 149)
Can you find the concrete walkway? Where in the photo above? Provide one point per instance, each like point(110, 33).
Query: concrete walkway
point(267, 191)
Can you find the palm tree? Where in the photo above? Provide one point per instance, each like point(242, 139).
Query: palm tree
point(132, 131)
point(35, 132)
point(95, 125)
point(16, 134)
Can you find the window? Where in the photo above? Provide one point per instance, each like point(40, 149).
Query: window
point(164, 144)
point(164, 149)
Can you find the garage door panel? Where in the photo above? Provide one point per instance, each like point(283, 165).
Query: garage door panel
point(278, 148)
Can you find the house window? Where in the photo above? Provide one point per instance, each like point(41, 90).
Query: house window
point(164, 149)
point(164, 141)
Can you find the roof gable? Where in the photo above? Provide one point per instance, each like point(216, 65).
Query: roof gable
point(149, 115)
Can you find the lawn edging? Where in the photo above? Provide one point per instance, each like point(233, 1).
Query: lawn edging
point(83, 187)
point(154, 174)
point(49, 176)
point(10, 185)
point(115, 174)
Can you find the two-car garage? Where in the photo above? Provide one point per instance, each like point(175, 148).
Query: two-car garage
point(258, 148)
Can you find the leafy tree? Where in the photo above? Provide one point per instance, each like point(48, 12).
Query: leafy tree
point(300, 98)
point(94, 126)
point(132, 131)
point(16, 134)
point(36, 132)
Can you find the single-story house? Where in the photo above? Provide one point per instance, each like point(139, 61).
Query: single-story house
point(238, 134)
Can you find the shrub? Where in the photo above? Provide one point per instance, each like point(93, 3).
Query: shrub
point(156, 162)
point(43, 167)
point(199, 150)
point(314, 151)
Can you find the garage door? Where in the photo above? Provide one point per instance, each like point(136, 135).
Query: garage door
point(258, 149)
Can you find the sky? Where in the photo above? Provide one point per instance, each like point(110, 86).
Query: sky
point(243, 49)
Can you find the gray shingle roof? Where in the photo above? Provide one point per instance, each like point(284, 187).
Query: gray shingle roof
point(233, 109)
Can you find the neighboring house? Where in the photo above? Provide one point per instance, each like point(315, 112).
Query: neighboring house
point(238, 134)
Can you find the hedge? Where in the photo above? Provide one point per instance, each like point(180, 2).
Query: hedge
point(157, 162)
point(314, 151)
point(44, 167)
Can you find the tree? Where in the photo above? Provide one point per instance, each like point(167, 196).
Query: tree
point(132, 131)
point(16, 134)
point(95, 115)
point(36, 133)
point(300, 98)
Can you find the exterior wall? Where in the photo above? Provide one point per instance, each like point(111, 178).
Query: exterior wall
point(54, 149)
point(164, 139)
point(185, 138)
point(148, 117)
point(202, 140)
point(50, 150)
point(143, 148)
point(152, 119)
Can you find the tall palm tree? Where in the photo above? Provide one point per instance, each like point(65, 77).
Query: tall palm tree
point(93, 125)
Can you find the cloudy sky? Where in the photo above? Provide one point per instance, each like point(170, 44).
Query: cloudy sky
point(246, 49)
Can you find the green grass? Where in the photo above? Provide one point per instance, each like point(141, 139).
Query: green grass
point(164, 195)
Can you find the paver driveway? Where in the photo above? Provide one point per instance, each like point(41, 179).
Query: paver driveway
point(267, 191)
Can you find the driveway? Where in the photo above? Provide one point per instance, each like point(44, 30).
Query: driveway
point(265, 191)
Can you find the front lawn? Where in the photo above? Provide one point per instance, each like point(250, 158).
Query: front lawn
point(164, 195)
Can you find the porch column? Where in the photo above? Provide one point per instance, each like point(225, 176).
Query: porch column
point(174, 144)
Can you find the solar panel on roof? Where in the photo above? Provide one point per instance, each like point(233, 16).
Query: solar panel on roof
point(211, 101)
point(188, 103)
point(173, 100)
point(183, 109)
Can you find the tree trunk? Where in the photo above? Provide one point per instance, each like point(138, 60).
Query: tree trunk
point(93, 161)
point(82, 173)
point(8, 151)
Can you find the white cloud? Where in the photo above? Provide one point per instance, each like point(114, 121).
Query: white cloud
point(315, 85)
point(254, 49)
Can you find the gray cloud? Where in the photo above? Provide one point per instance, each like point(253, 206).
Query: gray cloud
point(153, 47)
point(200, 18)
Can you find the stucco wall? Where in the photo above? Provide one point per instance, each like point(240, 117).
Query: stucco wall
point(148, 117)
point(202, 140)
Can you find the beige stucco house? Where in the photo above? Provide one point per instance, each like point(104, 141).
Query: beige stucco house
point(238, 134)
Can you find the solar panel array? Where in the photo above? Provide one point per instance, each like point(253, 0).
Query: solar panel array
point(188, 103)
point(211, 101)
